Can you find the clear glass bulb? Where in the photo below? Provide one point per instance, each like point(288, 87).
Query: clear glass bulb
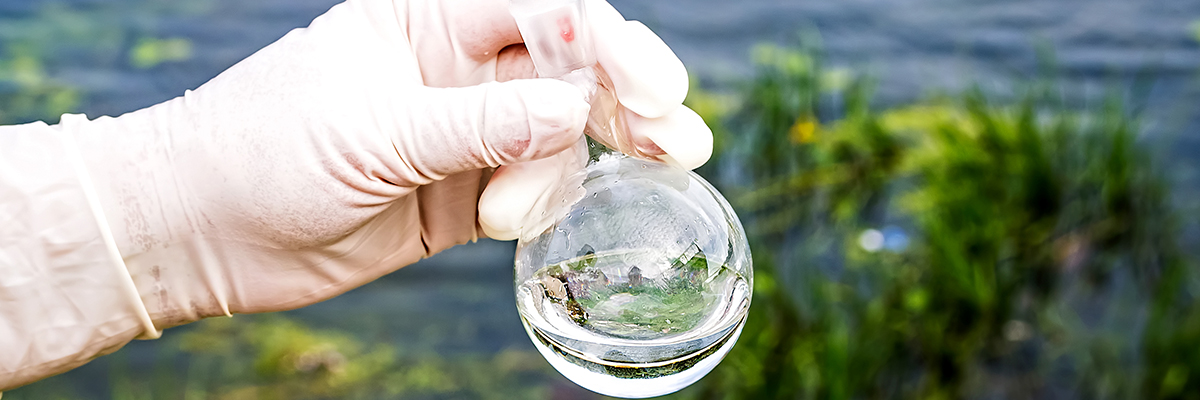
point(642, 286)
point(641, 283)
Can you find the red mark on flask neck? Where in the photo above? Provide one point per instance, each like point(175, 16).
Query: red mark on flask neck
point(566, 29)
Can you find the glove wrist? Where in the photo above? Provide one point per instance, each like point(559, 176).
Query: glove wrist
point(146, 203)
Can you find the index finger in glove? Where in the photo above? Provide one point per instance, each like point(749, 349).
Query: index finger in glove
point(487, 125)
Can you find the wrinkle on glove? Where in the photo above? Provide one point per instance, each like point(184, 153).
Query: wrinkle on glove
point(65, 297)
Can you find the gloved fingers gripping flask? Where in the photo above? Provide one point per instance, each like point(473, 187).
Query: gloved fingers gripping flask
point(559, 42)
point(638, 280)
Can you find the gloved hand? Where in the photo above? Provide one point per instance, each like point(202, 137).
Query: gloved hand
point(351, 148)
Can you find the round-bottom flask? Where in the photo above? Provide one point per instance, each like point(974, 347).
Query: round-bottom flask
point(640, 284)
point(643, 284)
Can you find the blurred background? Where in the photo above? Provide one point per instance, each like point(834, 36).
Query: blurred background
point(945, 198)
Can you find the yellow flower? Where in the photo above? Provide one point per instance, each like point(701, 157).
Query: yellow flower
point(803, 131)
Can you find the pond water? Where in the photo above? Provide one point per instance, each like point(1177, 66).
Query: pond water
point(463, 298)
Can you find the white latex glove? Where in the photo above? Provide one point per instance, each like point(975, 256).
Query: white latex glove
point(334, 156)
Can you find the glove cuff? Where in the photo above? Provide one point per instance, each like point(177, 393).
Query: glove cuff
point(127, 288)
point(65, 297)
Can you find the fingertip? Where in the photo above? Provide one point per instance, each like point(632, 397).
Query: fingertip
point(514, 200)
point(497, 217)
point(682, 134)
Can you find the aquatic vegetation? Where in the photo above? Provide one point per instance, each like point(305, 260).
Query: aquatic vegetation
point(1036, 243)
point(27, 92)
point(274, 357)
point(150, 51)
point(33, 50)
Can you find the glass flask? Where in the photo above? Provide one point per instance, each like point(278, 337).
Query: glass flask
point(641, 282)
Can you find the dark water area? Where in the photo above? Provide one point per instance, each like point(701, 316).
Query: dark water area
point(462, 301)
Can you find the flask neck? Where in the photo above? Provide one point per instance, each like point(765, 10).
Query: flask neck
point(556, 34)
